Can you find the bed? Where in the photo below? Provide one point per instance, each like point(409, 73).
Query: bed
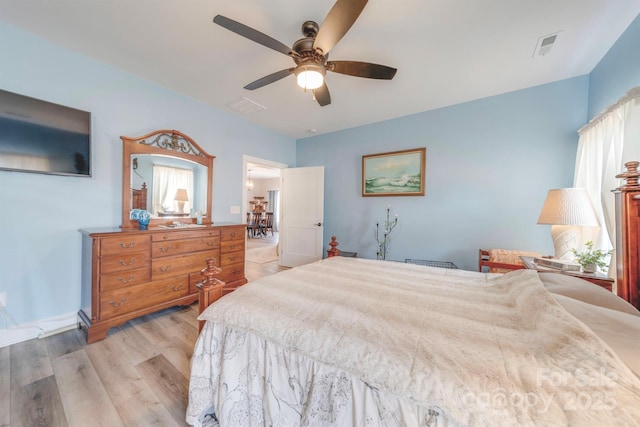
point(356, 342)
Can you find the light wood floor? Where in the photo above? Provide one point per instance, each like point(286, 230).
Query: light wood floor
point(137, 376)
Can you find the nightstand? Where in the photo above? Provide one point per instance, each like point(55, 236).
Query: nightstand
point(595, 278)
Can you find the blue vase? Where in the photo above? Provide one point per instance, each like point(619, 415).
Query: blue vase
point(143, 223)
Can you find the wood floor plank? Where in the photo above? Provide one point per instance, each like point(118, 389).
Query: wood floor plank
point(65, 342)
point(168, 384)
point(178, 350)
point(5, 387)
point(188, 314)
point(255, 271)
point(187, 330)
point(37, 404)
point(84, 398)
point(135, 346)
point(29, 362)
point(130, 393)
point(154, 326)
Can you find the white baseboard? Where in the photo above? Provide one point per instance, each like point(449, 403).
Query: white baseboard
point(39, 329)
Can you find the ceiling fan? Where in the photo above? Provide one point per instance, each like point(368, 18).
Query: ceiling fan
point(311, 52)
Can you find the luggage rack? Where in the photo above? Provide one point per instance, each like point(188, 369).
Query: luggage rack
point(441, 264)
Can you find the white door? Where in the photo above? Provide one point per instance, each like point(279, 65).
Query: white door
point(302, 215)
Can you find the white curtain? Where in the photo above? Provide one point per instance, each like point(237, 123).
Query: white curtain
point(274, 202)
point(166, 181)
point(605, 144)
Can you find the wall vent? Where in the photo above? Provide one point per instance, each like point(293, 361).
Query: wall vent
point(246, 106)
point(544, 44)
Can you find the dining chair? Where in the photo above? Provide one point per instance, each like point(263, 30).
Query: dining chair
point(267, 223)
point(253, 224)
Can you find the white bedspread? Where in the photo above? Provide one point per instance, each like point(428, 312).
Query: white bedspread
point(477, 349)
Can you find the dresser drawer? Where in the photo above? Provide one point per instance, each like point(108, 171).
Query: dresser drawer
point(187, 234)
point(124, 244)
point(176, 247)
point(232, 246)
point(232, 233)
point(124, 261)
point(133, 298)
point(163, 268)
point(125, 278)
point(231, 258)
point(194, 279)
point(231, 273)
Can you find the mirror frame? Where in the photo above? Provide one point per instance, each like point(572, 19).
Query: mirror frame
point(166, 143)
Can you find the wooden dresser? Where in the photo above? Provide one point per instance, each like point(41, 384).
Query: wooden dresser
point(127, 273)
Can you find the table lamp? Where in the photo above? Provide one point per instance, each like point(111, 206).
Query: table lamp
point(567, 209)
point(181, 197)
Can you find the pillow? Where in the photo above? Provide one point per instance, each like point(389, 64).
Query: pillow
point(582, 290)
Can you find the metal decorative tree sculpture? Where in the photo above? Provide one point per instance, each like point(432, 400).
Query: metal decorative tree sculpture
point(383, 237)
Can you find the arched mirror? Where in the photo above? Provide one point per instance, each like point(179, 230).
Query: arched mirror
point(168, 174)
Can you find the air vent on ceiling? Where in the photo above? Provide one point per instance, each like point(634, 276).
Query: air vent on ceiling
point(246, 106)
point(545, 43)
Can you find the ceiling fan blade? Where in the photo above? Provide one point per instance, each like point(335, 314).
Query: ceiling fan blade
point(322, 95)
point(362, 69)
point(254, 35)
point(338, 21)
point(269, 79)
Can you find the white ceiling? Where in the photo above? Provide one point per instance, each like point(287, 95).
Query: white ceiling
point(255, 171)
point(446, 51)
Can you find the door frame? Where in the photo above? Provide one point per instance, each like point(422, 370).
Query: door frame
point(246, 159)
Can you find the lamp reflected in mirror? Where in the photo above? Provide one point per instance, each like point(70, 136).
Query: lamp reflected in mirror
point(180, 199)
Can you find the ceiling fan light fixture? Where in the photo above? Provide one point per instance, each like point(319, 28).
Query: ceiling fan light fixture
point(310, 76)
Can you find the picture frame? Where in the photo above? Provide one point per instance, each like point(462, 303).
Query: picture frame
point(396, 173)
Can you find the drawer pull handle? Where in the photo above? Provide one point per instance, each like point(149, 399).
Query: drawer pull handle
point(233, 258)
point(126, 280)
point(165, 269)
point(211, 243)
point(122, 262)
point(165, 237)
point(176, 288)
point(237, 272)
point(118, 304)
point(127, 246)
point(167, 249)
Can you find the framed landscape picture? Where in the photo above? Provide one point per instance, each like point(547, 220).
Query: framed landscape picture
point(398, 173)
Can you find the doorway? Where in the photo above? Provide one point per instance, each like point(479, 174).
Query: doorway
point(261, 210)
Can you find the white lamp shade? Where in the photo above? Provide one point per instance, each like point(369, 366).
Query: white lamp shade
point(309, 76)
point(567, 210)
point(568, 206)
point(181, 198)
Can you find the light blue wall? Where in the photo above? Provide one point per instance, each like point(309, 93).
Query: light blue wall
point(489, 166)
point(41, 214)
point(617, 72)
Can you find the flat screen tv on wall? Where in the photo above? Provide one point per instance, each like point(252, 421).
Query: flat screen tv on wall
point(43, 137)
